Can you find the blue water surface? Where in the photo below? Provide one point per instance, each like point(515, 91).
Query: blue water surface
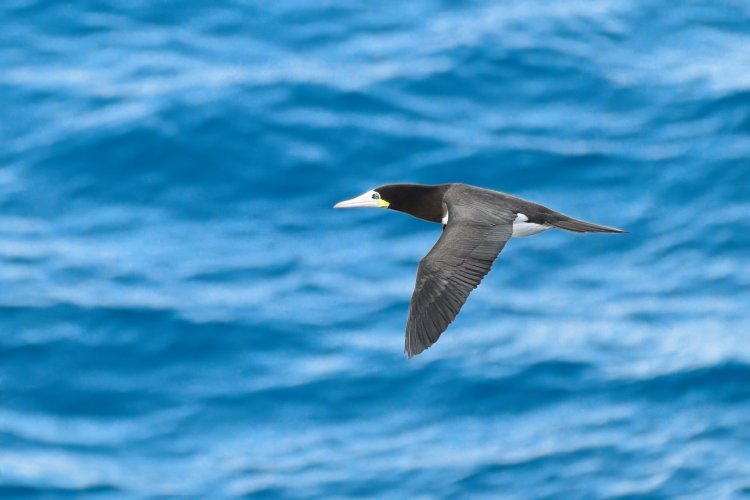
point(182, 313)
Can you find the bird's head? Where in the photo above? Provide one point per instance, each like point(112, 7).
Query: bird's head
point(419, 200)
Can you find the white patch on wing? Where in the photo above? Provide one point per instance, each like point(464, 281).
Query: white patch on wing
point(522, 228)
point(445, 218)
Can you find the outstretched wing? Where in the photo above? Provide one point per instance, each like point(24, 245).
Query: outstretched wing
point(470, 243)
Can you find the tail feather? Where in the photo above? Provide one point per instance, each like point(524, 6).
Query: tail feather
point(579, 226)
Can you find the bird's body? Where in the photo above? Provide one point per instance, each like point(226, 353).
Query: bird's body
point(477, 223)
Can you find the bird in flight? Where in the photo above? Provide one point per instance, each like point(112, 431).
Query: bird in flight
point(477, 223)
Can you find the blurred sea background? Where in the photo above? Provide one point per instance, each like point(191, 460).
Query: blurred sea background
point(182, 312)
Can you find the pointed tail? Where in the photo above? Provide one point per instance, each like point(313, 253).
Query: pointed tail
point(579, 226)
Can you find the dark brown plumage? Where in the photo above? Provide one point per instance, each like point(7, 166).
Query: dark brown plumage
point(477, 224)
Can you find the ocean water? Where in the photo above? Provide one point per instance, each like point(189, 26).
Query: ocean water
point(183, 314)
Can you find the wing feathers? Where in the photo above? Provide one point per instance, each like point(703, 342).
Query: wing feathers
point(455, 266)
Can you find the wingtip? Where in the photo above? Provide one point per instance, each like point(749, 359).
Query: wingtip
point(411, 353)
point(416, 351)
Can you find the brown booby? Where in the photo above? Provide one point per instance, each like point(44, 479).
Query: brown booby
point(477, 223)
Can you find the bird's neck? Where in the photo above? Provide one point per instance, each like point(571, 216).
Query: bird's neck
point(418, 200)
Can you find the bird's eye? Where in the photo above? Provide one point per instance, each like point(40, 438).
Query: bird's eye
point(375, 196)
